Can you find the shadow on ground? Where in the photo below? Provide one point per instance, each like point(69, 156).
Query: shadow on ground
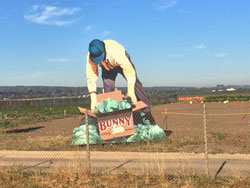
point(30, 129)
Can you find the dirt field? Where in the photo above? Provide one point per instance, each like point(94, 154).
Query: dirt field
point(187, 119)
point(228, 125)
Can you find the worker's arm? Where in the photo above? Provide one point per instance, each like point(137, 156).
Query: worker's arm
point(130, 74)
point(92, 77)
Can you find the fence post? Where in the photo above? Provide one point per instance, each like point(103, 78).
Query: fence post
point(88, 151)
point(205, 138)
point(166, 118)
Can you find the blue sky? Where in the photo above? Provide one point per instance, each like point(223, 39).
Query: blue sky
point(171, 42)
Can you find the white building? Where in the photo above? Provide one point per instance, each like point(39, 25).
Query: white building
point(231, 89)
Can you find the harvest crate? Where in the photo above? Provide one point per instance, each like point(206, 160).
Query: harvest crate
point(115, 124)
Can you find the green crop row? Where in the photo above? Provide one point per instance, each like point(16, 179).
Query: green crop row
point(227, 98)
point(13, 116)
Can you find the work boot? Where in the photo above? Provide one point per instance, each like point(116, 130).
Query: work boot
point(150, 118)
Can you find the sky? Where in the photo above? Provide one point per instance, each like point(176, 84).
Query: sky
point(195, 43)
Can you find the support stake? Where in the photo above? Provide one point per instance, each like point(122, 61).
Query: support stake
point(166, 119)
point(205, 138)
point(88, 151)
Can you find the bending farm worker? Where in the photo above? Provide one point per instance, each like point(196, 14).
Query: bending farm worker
point(113, 58)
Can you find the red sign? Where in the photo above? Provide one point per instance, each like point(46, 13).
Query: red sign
point(118, 125)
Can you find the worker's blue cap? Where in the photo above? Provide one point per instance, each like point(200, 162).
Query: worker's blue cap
point(96, 50)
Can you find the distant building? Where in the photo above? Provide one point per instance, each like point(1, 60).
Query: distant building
point(220, 87)
point(231, 89)
point(191, 98)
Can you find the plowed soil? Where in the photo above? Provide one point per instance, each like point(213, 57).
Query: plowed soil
point(227, 126)
point(181, 119)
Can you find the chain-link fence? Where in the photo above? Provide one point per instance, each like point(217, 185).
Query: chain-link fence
point(208, 138)
point(204, 138)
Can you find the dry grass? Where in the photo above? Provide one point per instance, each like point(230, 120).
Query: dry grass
point(79, 178)
point(217, 143)
point(168, 144)
point(22, 142)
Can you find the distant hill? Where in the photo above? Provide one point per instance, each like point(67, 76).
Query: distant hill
point(17, 92)
point(40, 91)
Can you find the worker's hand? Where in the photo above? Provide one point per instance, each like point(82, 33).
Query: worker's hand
point(133, 98)
point(93, 99)
point(131, 93)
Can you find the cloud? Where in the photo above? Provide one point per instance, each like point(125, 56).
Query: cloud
point(221, 55)
point(200, 46)
point(60, 60)
point(51, 15)
point(173, 55)
point(88, 28)
point(36, 78)
point(37, 74)
point(106, 33)
point(164, 4)
point(31, 76)
point(184, 11)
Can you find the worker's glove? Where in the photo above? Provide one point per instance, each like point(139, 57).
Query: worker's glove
point(131, 93)
point(93, 99)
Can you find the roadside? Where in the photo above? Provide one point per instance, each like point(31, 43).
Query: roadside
point(134, 162)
